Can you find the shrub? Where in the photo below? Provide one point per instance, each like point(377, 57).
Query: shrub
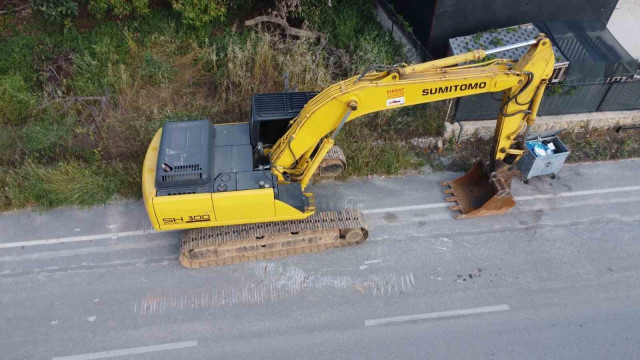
point(198, 13)
point(56, 10)
point(195, 13)
point(101, 8)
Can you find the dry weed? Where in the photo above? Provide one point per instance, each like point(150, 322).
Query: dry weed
point(204, 84)
point(258, 63)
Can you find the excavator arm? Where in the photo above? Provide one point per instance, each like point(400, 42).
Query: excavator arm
point(298, 153)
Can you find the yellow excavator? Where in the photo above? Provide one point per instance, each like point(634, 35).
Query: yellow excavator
point(239, 189)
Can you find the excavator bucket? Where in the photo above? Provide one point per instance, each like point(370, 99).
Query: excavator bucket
point(480, 193)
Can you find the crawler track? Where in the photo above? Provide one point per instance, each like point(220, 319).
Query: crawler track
point(227, 245)
point(332, 166)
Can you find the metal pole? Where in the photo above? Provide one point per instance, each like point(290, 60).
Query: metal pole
point(510, 47)
point(623, 128)
point(344, 120)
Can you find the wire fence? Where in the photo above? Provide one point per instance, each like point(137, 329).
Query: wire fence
point(622, 96)
point(559, 100)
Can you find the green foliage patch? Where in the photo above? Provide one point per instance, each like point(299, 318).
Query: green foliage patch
point(17, 102)
point(84, 89)
point(66, 183)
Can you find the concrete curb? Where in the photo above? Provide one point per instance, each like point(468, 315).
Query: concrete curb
point(606, 119)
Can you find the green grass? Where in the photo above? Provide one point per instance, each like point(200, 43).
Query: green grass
point(385, 158)
point(351, 27)
point(388, 158)
point(17, 102)
point(70, 183)
point(601, 144)
point(370, 152)
point(151, 69)
point(378, 143)
point(46, 137)
point(585, 144)
point(16, 55)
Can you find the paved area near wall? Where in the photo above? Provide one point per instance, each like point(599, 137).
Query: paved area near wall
point(574, 122)
point(625, 25)
point(557, 278)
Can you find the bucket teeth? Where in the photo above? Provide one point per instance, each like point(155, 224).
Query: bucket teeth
point(479, 192)
point(453, 199)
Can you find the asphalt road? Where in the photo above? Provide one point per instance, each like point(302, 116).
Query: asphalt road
point(557, 278)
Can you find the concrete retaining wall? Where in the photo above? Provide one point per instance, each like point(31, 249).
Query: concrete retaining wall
point(413, 55)
point(606, 119)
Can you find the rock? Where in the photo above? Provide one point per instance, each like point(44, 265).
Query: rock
point(428, 143)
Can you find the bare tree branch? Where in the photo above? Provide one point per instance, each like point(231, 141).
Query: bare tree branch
point(19, 8)
point(287, 29)
point(103, 100)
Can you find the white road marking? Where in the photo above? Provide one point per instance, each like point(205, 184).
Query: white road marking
point(438, 315)
point(90, 250)
point(367, 211)
point(130, 351)
point(517, 198)
point(406, 208)
point(75, 239)
point(578, 193)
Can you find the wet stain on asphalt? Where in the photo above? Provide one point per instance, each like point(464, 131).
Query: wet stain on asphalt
point(391, 218)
